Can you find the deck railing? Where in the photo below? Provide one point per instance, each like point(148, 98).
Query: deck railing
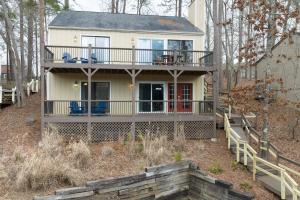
point(279, 173)
point(125, 107)
point(127, 56)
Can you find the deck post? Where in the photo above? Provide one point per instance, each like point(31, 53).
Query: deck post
point(133, 97)
point(215, 100)
point(282, 184)
point(175, 76)
point(133, 103)
point(245, 154)
point(254, 166)
point(89, 125)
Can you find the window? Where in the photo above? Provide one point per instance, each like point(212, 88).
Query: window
point(182, 45)
point(151, 97)
point(253, 73)
point(101, 54)
point(151, 56)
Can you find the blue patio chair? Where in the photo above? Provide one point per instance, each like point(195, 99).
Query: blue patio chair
point(93, 58)
point(75, 108)
point(68, 59)
point(100, 108)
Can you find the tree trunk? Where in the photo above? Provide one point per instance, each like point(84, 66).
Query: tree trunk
point(22, 49)
point(14, 53)
point(215, 57)
point(117, 6)
point(30, 42)
point(207, 29)
point(113, 6)
point(36, 48)
point(179, 8)
point(124, 6)
point(66, 5)
point(240, 44)
point(220, 55)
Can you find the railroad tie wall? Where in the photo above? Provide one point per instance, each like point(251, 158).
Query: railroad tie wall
point(180, 180)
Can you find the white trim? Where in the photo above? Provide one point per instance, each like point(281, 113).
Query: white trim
point(201, 33)
point(137, 98)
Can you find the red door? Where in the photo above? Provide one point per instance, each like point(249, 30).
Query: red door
point(184, 97)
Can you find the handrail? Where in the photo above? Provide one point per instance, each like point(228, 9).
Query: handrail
point(286, 181)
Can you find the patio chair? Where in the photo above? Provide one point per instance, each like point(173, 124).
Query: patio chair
point(68, 59)
point(75, 108)
point(85, 60)
point(100, 108)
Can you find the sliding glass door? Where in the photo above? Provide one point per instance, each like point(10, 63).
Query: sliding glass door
point(150, 51)
point(185, 46)
point(101, 55)
point(151, 97)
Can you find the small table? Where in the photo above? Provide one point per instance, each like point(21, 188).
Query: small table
point(168, 59)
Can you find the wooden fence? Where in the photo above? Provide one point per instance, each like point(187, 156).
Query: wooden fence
point(286, 181)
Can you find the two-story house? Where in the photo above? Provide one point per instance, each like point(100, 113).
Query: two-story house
point(107, 75)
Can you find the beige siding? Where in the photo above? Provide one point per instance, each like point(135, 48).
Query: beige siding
point(285, 64)
point(117, 39)
point(61, 87)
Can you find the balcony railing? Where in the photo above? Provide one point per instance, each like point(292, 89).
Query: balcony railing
point(127, 56)
point(125, 108)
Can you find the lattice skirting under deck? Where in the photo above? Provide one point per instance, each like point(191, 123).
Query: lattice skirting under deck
point(110, 131)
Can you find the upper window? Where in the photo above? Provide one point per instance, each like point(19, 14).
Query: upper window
point(100, 55)
point(154, 55)
point(185, 48)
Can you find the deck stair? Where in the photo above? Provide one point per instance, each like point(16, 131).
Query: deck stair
point(8, 96)
point(273, 177)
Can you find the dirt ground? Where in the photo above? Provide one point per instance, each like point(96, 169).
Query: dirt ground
point(206, 153)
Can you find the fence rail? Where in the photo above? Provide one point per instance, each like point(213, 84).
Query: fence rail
point(286, 181)
point(125, 107)
point(130, 56)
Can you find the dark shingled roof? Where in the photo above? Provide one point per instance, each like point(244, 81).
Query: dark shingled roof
point(101, 20)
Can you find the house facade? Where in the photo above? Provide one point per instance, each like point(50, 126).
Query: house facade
point(284, 64)
point(107, 75)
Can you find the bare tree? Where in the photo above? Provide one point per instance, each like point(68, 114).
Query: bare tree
point(30, 7)
point(10, 39)
point(22, 46)
point(124, 6)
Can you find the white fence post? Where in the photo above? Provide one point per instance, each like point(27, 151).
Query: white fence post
point(13, 94)
point(0, 94)
point(282, 184)
point(238, 150)
point(229, 111)
point(254, 166)
point(36, 85)
point(245, 154)
point(32, 85)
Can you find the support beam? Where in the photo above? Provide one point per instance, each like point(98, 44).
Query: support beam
point(89, 75)
point(215, 98)
point(133, 74)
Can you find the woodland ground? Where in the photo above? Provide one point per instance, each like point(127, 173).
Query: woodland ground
point(15, 132)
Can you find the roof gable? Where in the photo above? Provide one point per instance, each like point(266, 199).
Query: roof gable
point(109, 21)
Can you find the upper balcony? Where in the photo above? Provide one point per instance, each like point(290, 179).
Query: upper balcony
point(127, 58)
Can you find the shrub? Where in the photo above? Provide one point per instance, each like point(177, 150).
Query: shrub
point(41, 171)
point(107, 151)
point(179, 140)
point(155, 149)
point(79, 154)
point(245, 186)
point(215, 169)
point(53, 164)
point(234, 165)
point(178, 156)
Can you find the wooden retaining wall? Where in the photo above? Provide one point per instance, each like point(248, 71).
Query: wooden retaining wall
point(181, 180)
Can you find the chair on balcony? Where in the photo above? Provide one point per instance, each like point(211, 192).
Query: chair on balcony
point(100, 108)
point(93, 58)
point(68, 59)
point(75, 108)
